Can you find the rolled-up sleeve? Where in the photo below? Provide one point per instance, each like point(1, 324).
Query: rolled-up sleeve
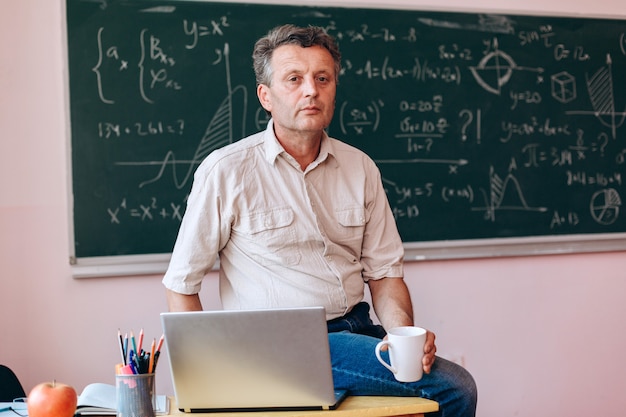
point(382, 252)
point(203, 232)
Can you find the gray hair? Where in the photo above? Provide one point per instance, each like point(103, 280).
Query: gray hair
point(291, 35)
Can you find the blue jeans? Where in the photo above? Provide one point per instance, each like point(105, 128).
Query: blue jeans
point(355, 368)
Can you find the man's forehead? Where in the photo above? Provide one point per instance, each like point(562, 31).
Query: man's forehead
point(316, 57)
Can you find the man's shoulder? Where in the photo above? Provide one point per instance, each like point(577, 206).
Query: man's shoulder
point(343, 150)
point(232, 152)
point(242, 145)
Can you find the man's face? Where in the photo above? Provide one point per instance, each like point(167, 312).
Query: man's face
point(302, 95)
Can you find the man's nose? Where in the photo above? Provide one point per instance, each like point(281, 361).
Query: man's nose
point(309, 87)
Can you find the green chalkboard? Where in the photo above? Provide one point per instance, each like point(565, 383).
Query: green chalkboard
point(484, 126)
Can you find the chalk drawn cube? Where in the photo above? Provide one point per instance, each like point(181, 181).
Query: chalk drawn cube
point(564, 87)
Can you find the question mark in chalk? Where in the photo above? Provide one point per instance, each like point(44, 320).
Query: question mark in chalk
point(429, 143)
point(605, 141)
point(470, 117)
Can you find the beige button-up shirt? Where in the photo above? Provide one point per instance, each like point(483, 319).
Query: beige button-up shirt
point(284, 237)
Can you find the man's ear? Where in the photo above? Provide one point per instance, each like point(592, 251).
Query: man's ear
point(263, 93)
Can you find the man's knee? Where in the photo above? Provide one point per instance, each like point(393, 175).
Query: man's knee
point(467, 390)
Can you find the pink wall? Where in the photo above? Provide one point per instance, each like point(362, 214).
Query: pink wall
point(542, 335)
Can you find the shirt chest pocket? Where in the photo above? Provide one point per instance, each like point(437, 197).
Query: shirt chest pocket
point(351, 225)
point(270, 236)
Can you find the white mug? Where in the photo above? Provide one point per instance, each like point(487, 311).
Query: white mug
point(406, 350)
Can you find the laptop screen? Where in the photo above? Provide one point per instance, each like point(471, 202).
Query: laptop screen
point(250, 359)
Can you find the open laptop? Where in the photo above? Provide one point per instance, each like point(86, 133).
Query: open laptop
point(250, 360)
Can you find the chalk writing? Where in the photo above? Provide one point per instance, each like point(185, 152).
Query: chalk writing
point(150, 210)
point(109, 130)
point(482, 125)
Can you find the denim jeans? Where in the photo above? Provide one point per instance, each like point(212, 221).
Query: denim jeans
point(355, 368)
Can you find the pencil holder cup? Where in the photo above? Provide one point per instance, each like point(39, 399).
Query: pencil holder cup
point(135, 395)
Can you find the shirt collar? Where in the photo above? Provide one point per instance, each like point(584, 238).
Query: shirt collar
point(273, 148)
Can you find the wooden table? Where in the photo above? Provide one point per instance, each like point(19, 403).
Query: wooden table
point(350, 407)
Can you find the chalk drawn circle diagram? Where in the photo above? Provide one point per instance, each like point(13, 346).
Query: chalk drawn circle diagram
point(605, 206)
point(494, 71)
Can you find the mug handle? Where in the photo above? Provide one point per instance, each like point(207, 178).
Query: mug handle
point(380, 359)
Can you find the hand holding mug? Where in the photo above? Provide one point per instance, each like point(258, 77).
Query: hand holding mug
point(406, 351)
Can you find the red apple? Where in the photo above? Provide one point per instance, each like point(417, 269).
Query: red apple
point(52, 399)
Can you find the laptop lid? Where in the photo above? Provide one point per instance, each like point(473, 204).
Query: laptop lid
point(248, 360)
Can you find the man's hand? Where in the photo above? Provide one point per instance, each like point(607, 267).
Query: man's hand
point(392, 304)
point(429, 351)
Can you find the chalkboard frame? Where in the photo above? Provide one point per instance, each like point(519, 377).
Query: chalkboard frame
point(120, 265)
point(156, 264)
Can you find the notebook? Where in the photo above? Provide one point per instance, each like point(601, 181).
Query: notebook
point(250, 360)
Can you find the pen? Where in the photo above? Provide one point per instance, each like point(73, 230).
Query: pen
point(156, 360)
point(157, 353)
point(126, 348)
point(122, 350)
point(131, 362)
point(5, 409)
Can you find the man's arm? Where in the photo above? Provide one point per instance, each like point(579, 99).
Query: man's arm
point(393, 307)
point(392, 302)
point(182, 302)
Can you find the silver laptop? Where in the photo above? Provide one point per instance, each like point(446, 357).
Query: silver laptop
point(250, 360)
